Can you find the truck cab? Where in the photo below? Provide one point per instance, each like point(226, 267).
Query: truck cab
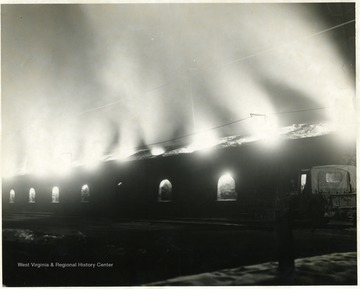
point(326, 192)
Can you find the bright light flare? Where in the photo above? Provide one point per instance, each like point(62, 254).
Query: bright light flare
point(345, 121)
point(9, 172)
point(126, 150)
point(91, 164)
point(41, 164)
point(40, 170)
point(301, 56)
point(271, 138)
point(92, 160)
point(204, 142)
point(156, 151)
point(64, 165)
point(265, 128)
point(226, 177)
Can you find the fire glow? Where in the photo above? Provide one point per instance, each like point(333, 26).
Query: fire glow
point(90, 90)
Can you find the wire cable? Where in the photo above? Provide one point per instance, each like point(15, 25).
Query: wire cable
point(288, 44)
point(165, 84)
point(227, 124)
point(196, 133)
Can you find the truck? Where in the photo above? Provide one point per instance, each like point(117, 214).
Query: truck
point(325, 193)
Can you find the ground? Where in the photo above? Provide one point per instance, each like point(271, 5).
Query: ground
point(149, 252)
point(330, 269)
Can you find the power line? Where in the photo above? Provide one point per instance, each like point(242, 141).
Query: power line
point(233, 61)
point(300, 110)
point(331, 28)
point(228, 63)
point(229, 123)
point(195, 133)
point(288, 44)
point(99, 107)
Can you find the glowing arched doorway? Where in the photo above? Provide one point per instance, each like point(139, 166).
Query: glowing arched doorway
point(12, 197)
point(55, 195)
point(32, 195)
point(165, 191)
point(226, 188)
point(85, 194)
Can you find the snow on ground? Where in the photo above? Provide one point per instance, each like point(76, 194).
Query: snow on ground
point(330, 269)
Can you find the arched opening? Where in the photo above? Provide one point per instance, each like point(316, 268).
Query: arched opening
point(85, 194)
point(12, 197)
point(226, 189)
point(32, 195)
point(55, 195)
point(165, 191)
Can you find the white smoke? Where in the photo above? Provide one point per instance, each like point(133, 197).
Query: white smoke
point(87, 81)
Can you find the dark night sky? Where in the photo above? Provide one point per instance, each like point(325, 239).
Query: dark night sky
point(94, 79)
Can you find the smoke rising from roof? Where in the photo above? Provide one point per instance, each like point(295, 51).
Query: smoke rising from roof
point(89, 80)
